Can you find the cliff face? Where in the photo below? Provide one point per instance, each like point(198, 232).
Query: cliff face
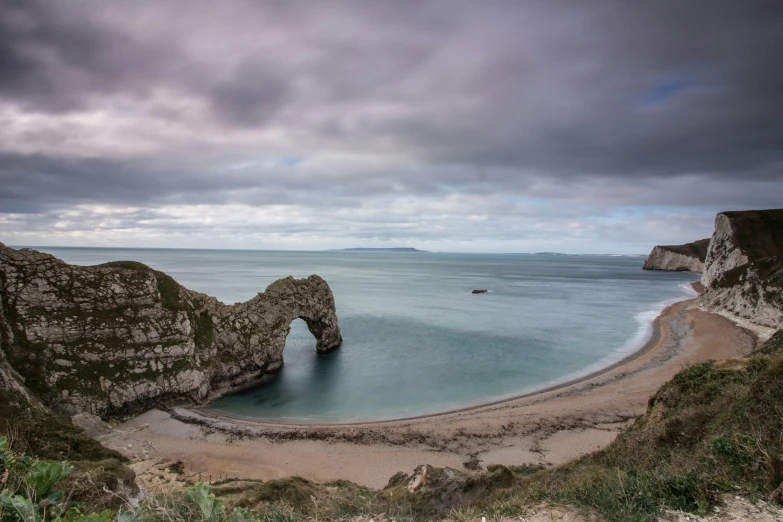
point(750, 294)
point(118, 338)
point(743, 272)
point(741, 238)
point(680, 258)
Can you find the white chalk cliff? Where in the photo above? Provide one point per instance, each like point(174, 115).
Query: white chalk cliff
point(743, 274)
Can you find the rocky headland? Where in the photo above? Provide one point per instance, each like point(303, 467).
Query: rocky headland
point(741, 267)
point(119, 338)
point(743, 276)
point(678, 258)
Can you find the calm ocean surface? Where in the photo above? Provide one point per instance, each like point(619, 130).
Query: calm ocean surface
point(416, 340)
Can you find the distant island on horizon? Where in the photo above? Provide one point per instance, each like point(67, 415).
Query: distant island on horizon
point(364, 249)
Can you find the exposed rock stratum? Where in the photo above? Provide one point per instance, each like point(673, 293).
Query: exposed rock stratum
point(119, 338)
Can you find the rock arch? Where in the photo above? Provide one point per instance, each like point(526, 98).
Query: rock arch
point(272, 312)
point(119, 338)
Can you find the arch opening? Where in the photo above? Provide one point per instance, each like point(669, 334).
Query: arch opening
point(300, 338)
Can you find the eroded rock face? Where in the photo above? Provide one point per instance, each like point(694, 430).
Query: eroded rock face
point(751, 295)
point(678, 258)
point(743, 272)
point(741, 238)
point(118, 338)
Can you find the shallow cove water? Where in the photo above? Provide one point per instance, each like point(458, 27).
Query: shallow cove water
point(416, 340)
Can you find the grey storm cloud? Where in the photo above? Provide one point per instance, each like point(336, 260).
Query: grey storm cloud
point(331, 104)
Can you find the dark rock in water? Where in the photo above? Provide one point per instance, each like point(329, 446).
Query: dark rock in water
point(119, 338)
point(479, 292)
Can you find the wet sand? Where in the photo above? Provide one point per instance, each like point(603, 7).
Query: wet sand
point(548, 427)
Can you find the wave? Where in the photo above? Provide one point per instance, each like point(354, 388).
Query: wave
point(642, 335)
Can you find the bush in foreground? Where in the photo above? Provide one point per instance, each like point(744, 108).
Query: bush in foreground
point(714, 428)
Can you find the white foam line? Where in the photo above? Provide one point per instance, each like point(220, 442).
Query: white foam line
point(641, 336)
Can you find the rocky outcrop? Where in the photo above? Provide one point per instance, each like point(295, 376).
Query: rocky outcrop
point(678, 258)
point(743, 273)
point(741, 238)
point(751, 295)
point(118, 338)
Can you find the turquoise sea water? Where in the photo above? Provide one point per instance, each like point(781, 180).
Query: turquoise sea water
point(416, 340)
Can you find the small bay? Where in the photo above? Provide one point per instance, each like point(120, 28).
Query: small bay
point(416, 340)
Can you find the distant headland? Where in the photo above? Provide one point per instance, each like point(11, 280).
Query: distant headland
point(402, 249)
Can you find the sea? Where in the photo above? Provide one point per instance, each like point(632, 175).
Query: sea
point(416, 340)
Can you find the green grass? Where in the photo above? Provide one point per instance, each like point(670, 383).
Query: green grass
point(46, 435)
point(41, 434)
point(709, 430)
point(713, 428)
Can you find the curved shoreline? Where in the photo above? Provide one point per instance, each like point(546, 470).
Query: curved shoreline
point(649, 345)
point(547, 427)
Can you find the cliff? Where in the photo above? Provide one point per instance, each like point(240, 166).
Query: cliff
point(680, 258)
point(743, 272)
point(741, 238)
point(119, 338)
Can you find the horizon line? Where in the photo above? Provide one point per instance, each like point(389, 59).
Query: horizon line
point(345, 250)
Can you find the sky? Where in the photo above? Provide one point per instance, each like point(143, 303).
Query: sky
point(447, 125)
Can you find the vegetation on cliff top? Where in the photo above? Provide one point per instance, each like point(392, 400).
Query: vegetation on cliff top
point(96, 475)
point(697, 249)
point(38, 432)
point(758, 233)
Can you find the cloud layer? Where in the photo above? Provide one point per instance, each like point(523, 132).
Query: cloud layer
point(448, 125)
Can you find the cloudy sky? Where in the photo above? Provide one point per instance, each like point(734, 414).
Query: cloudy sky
point(510, 126)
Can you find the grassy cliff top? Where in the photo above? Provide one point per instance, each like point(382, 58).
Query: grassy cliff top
point(696, 249)
point(759, 233)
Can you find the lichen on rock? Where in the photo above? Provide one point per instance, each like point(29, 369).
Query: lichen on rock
point(118, 338)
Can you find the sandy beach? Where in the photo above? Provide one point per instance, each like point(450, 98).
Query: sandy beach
point(548, 427)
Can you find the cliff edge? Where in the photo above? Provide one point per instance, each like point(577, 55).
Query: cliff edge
point(743, 273)
point(119, 338)
point(741, 238)
point(678, 258)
